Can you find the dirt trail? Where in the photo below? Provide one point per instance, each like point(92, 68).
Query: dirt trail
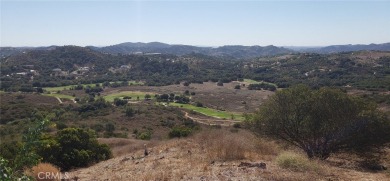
point(211, 121)
point(59, 100)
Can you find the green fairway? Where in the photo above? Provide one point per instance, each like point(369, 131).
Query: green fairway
point(60, 88)
point(55, 89)
point(132, 94)
point(61, 96)
point(210, 112)
point(250, 81)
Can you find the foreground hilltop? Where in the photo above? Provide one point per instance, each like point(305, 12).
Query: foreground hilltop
point(218, 154)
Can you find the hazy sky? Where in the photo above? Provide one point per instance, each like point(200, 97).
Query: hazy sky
point(211, 23)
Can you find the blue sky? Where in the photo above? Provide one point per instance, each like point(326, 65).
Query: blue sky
point(205, 23)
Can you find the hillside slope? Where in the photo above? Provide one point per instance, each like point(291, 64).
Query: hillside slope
point(216, 155)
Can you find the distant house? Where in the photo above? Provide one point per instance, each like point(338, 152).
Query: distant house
point(22, 73)
point(83, 69)
point(125, 66)
point(33, 72)
point(28, 66)
point(57, 70)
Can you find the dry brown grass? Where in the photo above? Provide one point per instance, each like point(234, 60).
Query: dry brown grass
point(222, 145)
point(45, 172)
point(213, 154)
point(122, 146)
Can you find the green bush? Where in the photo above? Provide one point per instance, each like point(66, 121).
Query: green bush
point(179, 132)
point(120, 102)
point(199, 104)
point(25, 155)
point(8, 150)
point(61, 126)
point(322, 122)
point(129, 111)
point(72, 148)
point(145, 135)
point(237, 125)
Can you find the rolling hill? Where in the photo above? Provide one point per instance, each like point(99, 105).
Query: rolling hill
point(236, 51)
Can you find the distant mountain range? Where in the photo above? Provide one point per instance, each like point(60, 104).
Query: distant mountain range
point(346, 48)
point(233, 51)
point(236, 51)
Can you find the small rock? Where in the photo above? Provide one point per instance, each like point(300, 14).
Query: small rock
point(258, 165)
point(125, 159)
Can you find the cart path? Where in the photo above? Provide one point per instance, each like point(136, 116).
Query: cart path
point(211, 121)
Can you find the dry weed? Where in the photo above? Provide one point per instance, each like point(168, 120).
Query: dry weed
point(45, 172)
point(297, 162)
point(222, 145)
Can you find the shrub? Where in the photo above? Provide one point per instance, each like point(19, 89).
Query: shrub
point(129, 111)
point(127, 97)
point(189, 123)
point(145, 135)
point(199, 104)
point(72, 148)
point(237, 125)
point(97, 127)
point(5, 171)
point(179, 132)
point(148, 96)
point(8, 150)
point(167, 123)
point(61, 126)
point(25, 156)
point(186, 83)
point(295, 162)
point(79, 87)
point(120, 102)
point(322, 121)
point(110, 127)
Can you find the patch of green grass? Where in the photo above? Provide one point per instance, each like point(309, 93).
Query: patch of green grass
point(132, 82)
point(132, 94)
point(296, 162)
point(210, 112)
point(61, 96)
point(60, 88)
point(250, 81)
